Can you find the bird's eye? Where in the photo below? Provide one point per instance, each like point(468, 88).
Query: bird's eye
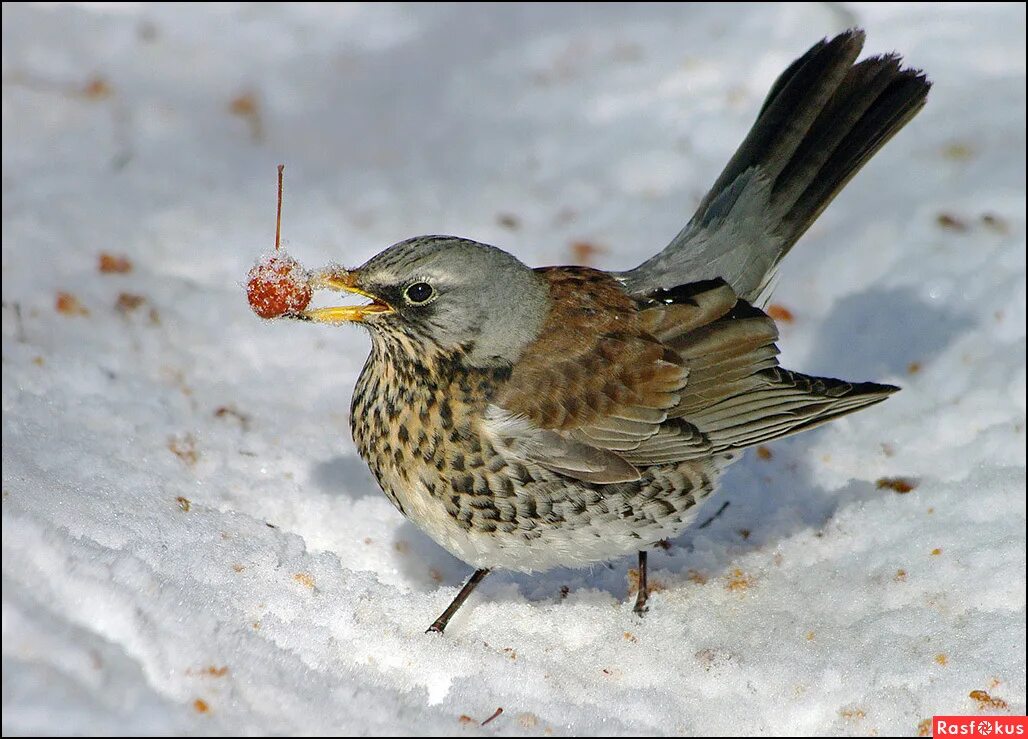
point(419, 292)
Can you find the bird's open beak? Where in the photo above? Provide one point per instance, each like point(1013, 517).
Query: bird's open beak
point(343, 281)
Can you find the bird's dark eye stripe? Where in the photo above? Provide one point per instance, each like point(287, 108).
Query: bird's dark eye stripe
point(419, 292)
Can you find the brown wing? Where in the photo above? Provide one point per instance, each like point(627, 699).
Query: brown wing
point(613, 383)
point(593, 384)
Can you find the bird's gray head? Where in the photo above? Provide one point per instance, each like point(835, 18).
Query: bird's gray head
point(442, 293)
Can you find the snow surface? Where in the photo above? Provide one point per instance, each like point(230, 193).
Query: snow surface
point(291, 597)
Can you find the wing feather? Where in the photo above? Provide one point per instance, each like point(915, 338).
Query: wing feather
point(615, 384)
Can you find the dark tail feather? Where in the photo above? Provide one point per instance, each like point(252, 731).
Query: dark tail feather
point(902, 94)
point(822, 120)
point(796, 99)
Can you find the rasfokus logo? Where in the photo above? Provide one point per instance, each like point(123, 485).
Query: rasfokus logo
point(990, 726)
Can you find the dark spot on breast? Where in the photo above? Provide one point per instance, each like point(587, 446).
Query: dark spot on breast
point(497, 463)
point(446, 414)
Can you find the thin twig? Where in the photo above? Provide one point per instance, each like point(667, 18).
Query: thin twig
point(497, 713)
point(710, 520)
point(278, 215)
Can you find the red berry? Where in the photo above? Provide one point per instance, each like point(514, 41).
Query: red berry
point(278, 285)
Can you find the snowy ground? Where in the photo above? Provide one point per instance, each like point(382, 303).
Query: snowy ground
point(190, 544)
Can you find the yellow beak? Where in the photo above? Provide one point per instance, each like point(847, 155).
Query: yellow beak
point(343, 281)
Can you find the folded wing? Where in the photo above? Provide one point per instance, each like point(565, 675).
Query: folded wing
point(681, 374)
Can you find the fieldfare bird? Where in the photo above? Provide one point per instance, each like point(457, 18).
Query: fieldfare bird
point(532, 418)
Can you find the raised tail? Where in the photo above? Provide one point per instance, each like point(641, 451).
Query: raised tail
point(823, 119)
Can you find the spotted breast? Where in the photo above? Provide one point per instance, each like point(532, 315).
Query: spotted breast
point(447, 440)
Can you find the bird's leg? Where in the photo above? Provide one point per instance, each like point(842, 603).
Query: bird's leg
point(440, 623)
point(644, 591)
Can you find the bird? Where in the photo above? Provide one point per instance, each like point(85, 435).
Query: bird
point(530, 418)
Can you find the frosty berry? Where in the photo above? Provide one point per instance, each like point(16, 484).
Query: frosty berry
point(278, 285)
